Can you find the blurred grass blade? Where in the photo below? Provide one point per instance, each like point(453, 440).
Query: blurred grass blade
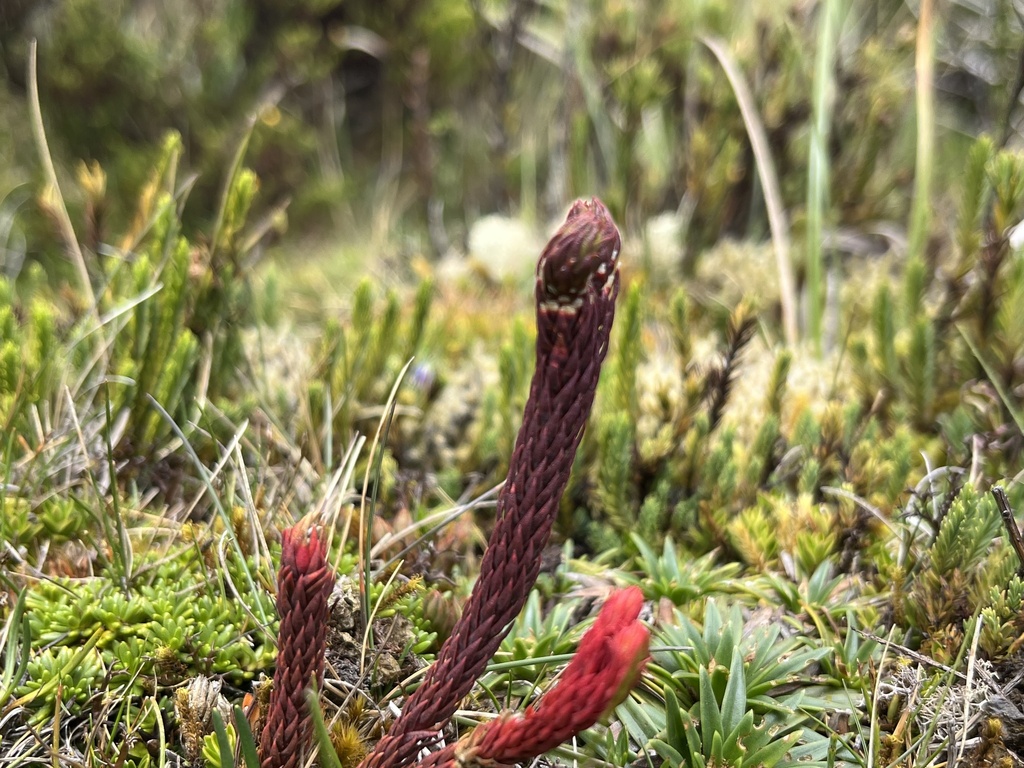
point(161, 730)
point(1005, 396)
point(818, 170)
point(267, 102)
point(380, 440)
point(777, 220)
point(53, 682)
point(208, 477)
point(64, 220)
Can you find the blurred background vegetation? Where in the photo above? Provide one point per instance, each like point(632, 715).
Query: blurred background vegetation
point(418, 116)
point(815, 376)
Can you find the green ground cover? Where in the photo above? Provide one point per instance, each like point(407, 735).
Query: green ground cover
point(813, 387)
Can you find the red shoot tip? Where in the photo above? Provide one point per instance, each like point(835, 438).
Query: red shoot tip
point(582, 255)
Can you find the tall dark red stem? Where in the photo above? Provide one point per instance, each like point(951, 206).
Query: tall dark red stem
point(577, 282)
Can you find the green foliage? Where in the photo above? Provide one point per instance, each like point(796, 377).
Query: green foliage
point(28, 353)
point(974, 194)
point(1002, 624)
point(538, 642)
point(629, 323)
point(175, 623)
point(966, 533)
point(678, 579)
point(614, 481)
point(357, 365)
point(54, 520)
point(912, 361)
point(515, 367)
point(404, 599)
point(78, 676)
point(751, 477)
point(642, 110)
point(114, 78)
point(1006, 177)
point(538, 632)
point(219, 746)
point(169, 338)
point(720, 733)
point(769, 659)
point(964, 571)
point(734, 694)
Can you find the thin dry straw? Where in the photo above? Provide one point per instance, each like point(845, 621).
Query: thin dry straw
point(818, 163)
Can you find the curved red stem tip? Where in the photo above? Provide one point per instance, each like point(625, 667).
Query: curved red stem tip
point(581, 255)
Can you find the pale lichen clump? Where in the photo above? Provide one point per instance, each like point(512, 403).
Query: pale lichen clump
point(813, 383)
point(194, 705)
point(941, 710)
point(733, 270)
point(663, 245)
point(280, 358)
point(661, 401)
point(663, 390)
point(502, 248)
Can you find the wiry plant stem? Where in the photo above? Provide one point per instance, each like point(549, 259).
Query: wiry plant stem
point(577, 282)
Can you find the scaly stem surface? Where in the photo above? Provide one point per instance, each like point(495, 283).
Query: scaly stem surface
point(577, 282)
point(607, 664)
point(304, 583)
